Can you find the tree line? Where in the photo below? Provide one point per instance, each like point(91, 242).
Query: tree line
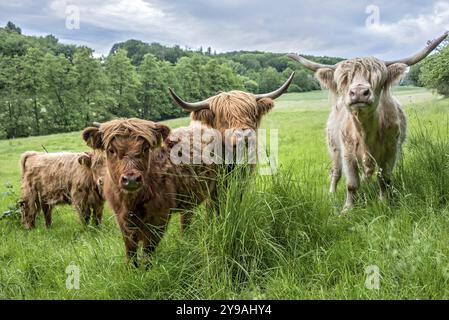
point(49, 87)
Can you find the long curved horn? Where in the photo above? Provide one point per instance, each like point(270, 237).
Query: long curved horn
point(278, 92)
point(96, 124)
point(189, 106)
point(422, 54)
point(314, 66)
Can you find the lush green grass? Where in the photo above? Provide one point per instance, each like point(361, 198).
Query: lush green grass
point(283, 240)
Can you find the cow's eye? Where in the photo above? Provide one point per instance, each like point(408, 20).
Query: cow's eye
point(111, 151)
point(146, 149)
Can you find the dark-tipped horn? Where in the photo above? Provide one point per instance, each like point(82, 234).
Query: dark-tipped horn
point(96, 124)
point(278, 92)
point(189, 106)
point(422, 54)
point(314, 66)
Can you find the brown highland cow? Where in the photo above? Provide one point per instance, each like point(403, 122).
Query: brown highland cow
point(142, 184)
point(49, 179)
point(233, 110)
point(236, 115)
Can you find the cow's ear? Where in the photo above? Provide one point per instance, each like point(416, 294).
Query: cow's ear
point(326, 78)
point(395, 72)
point(264, 105)
point(205, 116)
point(93, 137)
point(85, 160)
point(163, 130)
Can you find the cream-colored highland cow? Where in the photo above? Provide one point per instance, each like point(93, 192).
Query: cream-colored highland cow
point(367, 126)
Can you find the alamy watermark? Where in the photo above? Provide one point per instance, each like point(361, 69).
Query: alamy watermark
point(372, 281)
point(373, 18)
point(231, 147)
point(72, 17)
point(73, 277)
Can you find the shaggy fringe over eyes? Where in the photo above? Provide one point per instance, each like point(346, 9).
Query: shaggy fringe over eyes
point(237, 109)
point(153, 133)
point(372, 69)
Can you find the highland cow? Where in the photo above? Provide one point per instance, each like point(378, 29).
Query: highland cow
point(236, 115)
point(49, 179)
point(233, 110)
point(367, 125)
point(142, 184)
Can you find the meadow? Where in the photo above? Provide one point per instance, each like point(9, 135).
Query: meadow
point(284, 239)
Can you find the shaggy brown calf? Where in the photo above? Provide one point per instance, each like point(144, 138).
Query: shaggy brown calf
point(367, 126)
point(49, 179)
point(142, 184)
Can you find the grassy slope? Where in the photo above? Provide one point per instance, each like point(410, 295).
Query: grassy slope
point(283, 241)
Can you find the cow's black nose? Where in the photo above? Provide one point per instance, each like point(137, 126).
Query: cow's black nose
point(131, 181)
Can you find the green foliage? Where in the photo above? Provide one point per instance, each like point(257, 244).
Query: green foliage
point(435, 71)
point(412, 77)
point(124, 84)
point(137, 50)
point(12, 28)
point(48, 87)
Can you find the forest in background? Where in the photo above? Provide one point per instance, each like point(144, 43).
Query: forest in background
point(49, 87)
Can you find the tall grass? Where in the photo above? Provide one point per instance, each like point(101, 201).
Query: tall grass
point(276, 237)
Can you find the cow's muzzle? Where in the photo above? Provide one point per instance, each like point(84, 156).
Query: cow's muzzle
point(360, 95)
point(131, 181)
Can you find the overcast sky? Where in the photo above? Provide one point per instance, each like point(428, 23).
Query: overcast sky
point(347, 28)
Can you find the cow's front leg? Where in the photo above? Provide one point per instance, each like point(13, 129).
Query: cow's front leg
point(352, 182)
point(335, 173)
point(97, 213)
point(152, 237)
point(384, 177)
point(30, 208)
point(131, 244)
point(47, 209)
point(186, 219)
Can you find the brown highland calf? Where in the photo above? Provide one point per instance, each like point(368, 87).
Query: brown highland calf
point(142, 184)
point(49, 179)
point(367, 125)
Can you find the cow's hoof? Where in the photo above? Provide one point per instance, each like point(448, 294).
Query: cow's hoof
point(346, 209)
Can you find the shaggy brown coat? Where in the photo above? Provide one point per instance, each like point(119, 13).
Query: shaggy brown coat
point(236, 111)
point(49, 179)
point(139, 150)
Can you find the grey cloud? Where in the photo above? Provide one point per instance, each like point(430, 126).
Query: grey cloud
point(322, 28)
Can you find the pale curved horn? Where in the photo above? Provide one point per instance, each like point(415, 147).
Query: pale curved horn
point(278, 92)
point(96, 124)
point(422, 54)
point(189, 106)
point(314, 66)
